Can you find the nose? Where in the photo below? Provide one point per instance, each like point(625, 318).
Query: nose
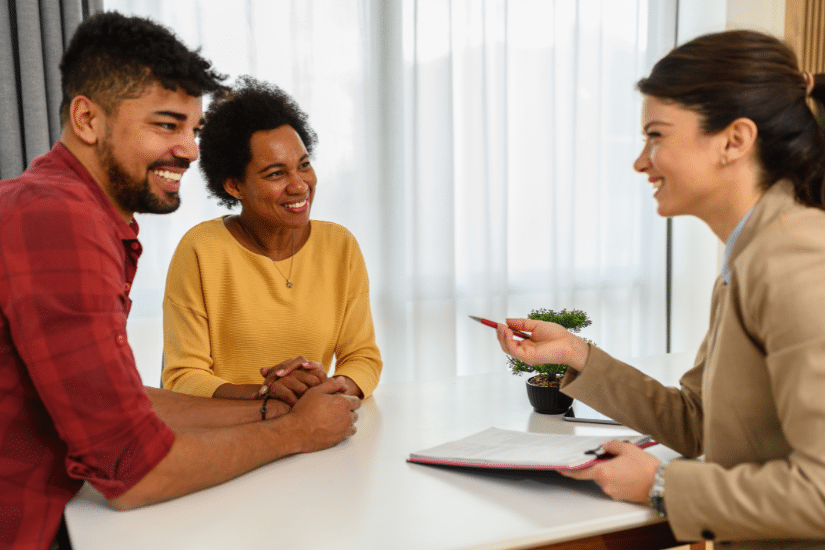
point(187, 148)
point(642, 162)
point(297, 184)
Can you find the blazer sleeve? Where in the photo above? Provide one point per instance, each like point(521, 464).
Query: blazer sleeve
point(673, 416)
point(640, 402)
point(779, 300)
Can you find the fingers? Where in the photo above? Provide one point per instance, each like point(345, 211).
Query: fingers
point(548, 343)
point(290, 365)
point(317, 370)
point(332, 385)
point(287, 366)
point(616, 447)
point(584, 473)
point(282, 393)
point(613, 447)
point(627, 476)
point(326, 414)
point(520, 349)
point(276, 408)
point(292, 387)
point(354, 402)
point(299, 381)
point(505, 339)
point(312, 373)
point(336, 387)
point(527, 325)
point(312, 366)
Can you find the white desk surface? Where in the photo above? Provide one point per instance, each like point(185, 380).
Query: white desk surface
point(363, 494)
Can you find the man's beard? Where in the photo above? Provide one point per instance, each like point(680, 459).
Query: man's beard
point(135, 195)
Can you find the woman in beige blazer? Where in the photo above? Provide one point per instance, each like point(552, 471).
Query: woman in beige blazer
point(730, 139)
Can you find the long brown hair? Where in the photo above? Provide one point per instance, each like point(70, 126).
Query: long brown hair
point(748, 74)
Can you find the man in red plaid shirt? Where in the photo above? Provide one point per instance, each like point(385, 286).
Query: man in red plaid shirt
point(72, 405)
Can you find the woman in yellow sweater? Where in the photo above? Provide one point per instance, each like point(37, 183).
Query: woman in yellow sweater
point(260, 302)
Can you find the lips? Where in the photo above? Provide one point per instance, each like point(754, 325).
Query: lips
point(298, 206)
point(169, 181)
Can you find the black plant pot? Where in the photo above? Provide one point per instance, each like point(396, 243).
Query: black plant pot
point(547, 400)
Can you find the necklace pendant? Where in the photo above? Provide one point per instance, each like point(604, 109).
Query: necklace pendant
point(288, 283)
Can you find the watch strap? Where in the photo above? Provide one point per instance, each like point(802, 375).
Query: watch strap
point(657, 490)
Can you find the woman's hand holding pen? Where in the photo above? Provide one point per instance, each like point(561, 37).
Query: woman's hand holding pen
point(289, 380)
point(548, 343)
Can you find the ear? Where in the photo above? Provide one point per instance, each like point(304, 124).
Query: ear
point(740, 140)
point(86, 119)
point(233, 187)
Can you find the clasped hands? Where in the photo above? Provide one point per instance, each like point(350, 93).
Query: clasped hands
point(289, 380)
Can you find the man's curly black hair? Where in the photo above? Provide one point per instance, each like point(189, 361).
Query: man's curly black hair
point(112, 57)
point(251, 106)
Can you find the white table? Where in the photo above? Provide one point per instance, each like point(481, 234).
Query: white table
point(363, 494)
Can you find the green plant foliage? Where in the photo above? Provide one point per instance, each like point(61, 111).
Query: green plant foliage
point(573, 320)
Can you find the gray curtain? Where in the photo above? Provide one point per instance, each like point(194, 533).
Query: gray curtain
point(33, 35)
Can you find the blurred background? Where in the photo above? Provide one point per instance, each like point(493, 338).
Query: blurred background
point(480, 151)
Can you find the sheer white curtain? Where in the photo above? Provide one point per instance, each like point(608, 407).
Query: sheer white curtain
point(480, 151)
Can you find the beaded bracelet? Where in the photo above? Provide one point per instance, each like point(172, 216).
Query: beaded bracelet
point(263, 407)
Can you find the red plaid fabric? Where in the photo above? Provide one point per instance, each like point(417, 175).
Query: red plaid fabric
point(72, 404)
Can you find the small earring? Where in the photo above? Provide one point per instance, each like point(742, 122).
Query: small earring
point(724, 162)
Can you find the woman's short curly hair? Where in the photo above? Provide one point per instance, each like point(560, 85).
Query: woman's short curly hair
point(250, 106)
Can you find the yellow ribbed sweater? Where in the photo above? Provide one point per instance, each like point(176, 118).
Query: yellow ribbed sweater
point(227, 311)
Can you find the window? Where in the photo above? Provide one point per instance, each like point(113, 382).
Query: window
point(480, 151)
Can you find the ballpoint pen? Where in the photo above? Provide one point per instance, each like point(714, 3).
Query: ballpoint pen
point(495, 325)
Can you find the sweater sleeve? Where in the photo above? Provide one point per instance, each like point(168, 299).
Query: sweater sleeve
point(357, 355)
point(187, 361)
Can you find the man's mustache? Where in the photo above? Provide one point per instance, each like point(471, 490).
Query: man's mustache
point(174, 163)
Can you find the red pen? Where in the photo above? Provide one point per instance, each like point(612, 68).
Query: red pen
point(495, 325)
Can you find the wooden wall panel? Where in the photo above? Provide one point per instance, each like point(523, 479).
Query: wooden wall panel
point(805, 32)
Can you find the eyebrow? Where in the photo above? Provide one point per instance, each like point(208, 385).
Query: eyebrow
point(652, 122)
point(174, 114)
point(280, 164)
point(179, 116)
point(271, 166)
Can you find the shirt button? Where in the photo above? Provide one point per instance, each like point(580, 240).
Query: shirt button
point(135, 246)
point(126, 287)
point(120, 339)
point(707, 534)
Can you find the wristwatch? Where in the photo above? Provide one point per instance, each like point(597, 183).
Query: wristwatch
point(657, 490)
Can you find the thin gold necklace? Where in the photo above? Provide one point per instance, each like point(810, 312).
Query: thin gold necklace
point(258, 246)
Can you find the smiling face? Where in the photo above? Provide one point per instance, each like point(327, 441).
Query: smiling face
point(148, 144)
point(279, 181)
point(681, 161)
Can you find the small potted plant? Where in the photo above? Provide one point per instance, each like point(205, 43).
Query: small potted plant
point(543, 388)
